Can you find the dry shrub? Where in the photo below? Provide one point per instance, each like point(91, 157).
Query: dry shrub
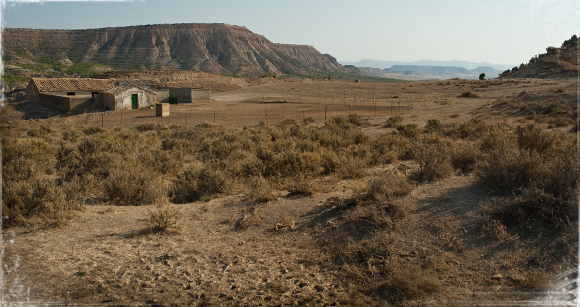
point(465, 155)
point(533, 208)
point(393, 122)
point(250, 220)
point(537, 281)
point(351, 168)
point(133, 186)
point(468, 95)
point(24, 158)
point(388, 184)
point(494, 229)
point(434, 126)
point(409, 283)
point(300, 184)
point(375, 217)
point(389, 148)
point(432, 155)
point(164, 219)
point(535, 138)
point(409, 130)
point(35, 202)
point(509, 169)
point(261, 190)
point(195, 183)
point(358, 120)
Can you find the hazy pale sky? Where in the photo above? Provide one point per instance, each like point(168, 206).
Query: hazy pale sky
point(494, 31)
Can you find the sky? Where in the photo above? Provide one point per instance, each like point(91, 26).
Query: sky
point(492, 31)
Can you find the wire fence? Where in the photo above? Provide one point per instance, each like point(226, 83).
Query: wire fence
point(255, 107)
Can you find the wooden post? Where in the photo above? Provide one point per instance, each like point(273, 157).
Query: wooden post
point(102, 120)
point(325, 109)
point(185, 118)
point(214, 117)
point(303, 115)
point(121, 120)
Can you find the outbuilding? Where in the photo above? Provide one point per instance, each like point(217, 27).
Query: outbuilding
point(183, 94)
point(71, 95)
point(127, 97)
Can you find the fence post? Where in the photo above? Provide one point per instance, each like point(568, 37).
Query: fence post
point(121, 120)
point(325, 109)
point(102, 120)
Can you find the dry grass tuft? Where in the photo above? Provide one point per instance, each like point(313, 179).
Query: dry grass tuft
point(250, 220)
point(164, 219)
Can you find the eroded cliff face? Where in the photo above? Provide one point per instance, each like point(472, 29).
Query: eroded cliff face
point(213, 48)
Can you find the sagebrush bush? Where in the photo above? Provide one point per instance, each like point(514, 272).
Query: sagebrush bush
point(409, 283)
point(433, 157)
point(164, 218)
point(133, 186)
point(409, 130)
point(197, 182)
point(537, 171)
point(508, 169)
point(389, 148)
point(468, 95)
point(533, 208)
point(261, 190)
point(388, 184)
point(393, 122)
point(34, 202)
point(465, 155)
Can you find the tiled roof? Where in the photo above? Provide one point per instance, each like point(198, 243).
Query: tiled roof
point(72, 84)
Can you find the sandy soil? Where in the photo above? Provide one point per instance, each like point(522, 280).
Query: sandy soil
point(107, 256)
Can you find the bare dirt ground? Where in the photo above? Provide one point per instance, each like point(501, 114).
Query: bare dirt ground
point(106, 256)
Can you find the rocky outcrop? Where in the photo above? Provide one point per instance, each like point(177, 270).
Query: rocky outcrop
point(213, 48)
point(556, 63)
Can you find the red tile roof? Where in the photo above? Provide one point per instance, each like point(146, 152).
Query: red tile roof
point(72, 84)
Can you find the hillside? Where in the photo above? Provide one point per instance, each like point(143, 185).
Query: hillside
point(556, 63)
point(212, 48)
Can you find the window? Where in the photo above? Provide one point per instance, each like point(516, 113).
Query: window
point(70, 93)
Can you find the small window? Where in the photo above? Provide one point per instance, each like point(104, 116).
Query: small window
point(70, 93)
point(93, 94)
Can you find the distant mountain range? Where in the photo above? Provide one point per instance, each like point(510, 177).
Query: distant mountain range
point(429, 69)
point(455, 63)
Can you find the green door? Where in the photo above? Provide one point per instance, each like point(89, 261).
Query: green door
point(134, 101)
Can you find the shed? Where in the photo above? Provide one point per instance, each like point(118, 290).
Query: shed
point(186, 94)
point(75, 95)
point(126, 97)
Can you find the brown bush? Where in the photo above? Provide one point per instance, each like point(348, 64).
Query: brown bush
point(432, 155)
point(195, 183)
point(164, 219)
point(409, 283)
point(388, 184)
point(133, 186)
point(389, 148)
point(468, 95)
point(35, 202)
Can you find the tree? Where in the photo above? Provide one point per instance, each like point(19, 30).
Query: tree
point(482, 76)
